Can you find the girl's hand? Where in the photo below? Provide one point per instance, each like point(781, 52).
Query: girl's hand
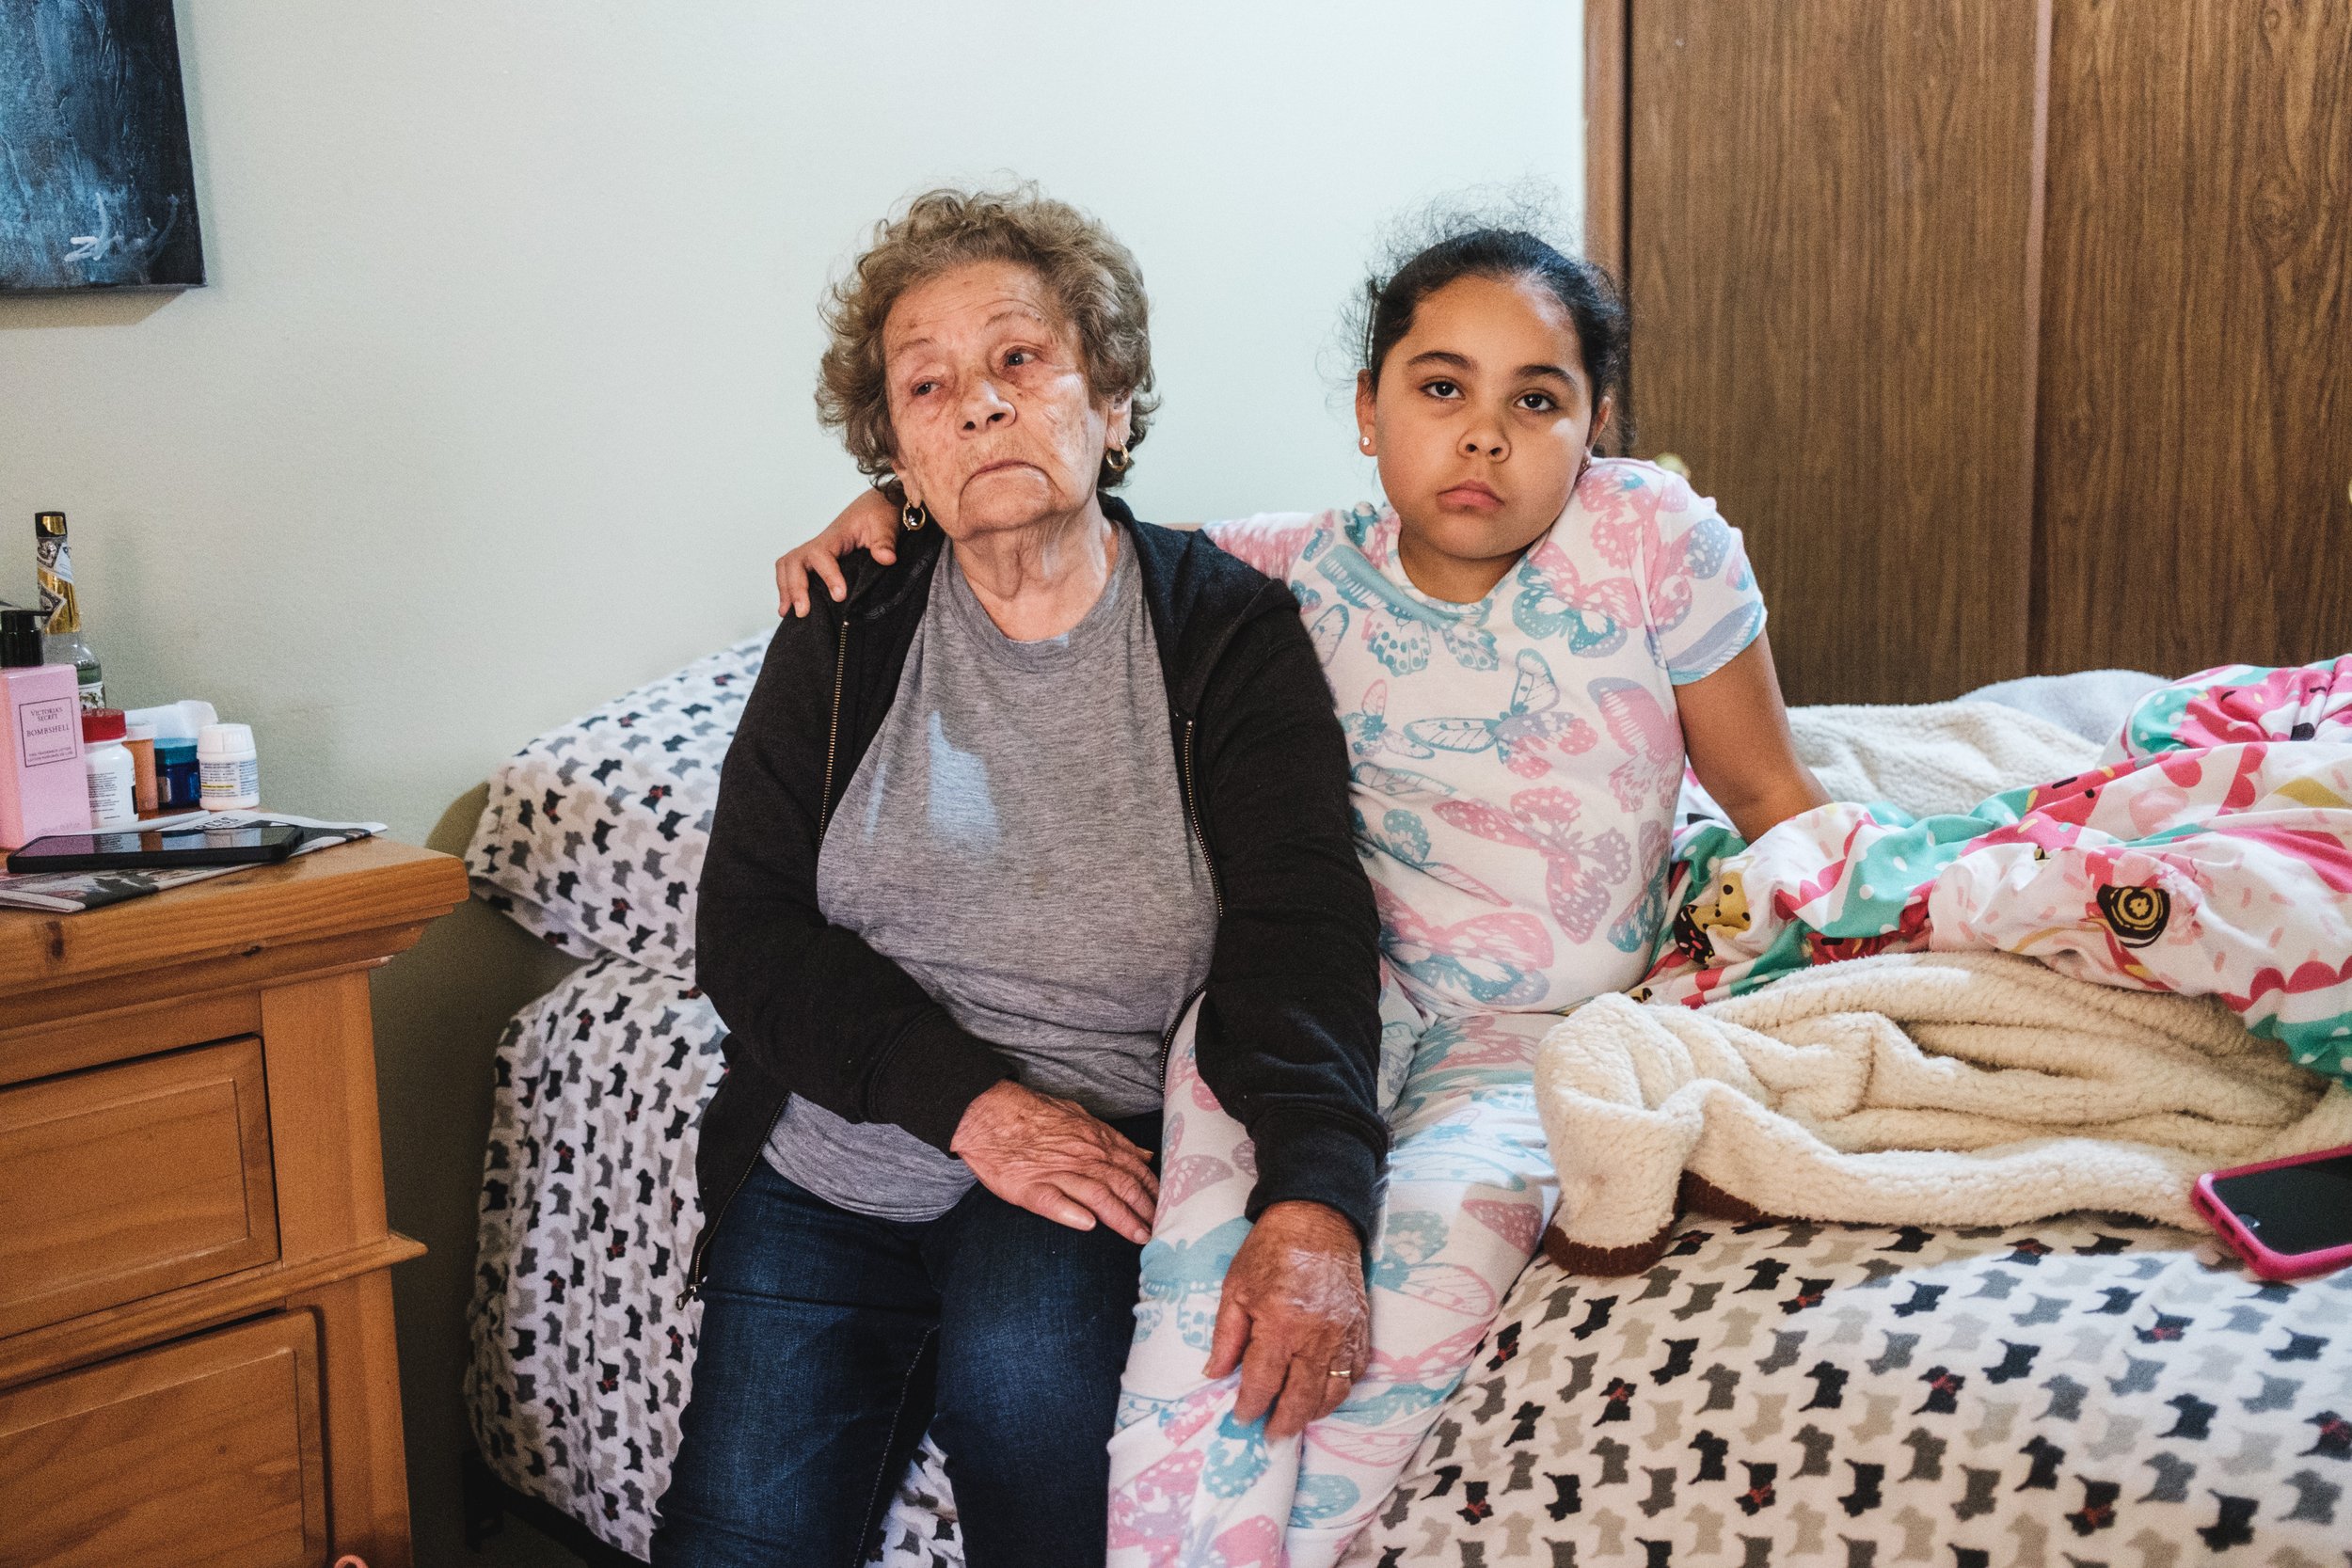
point(1055, 1158)
point(869, 523)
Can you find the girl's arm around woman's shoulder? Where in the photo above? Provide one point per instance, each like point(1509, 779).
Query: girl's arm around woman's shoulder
point(1270, 541)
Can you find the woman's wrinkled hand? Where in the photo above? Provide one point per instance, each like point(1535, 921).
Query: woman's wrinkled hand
point(1055, 1158)
point(1294, 1317)
point(867, 523)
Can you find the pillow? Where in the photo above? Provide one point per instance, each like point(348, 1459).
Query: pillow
point(2092, 703)
point(1937, 758)
point(595, 832)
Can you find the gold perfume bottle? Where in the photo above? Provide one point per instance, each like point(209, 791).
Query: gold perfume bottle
point(61, 611)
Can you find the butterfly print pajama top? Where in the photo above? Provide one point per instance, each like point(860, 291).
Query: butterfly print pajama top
point(1515, 762)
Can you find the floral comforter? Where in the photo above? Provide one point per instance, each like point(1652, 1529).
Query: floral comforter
point(2210, 853)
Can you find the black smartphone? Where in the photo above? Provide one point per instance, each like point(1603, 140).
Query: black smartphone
point(2288, 1218)
point(246, 843)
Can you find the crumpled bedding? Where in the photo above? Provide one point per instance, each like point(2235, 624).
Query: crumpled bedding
point(2208, 854)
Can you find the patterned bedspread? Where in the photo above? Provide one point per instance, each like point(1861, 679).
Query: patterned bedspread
point(2081, 1391)
point(582, 1353)
point(2076, 1392)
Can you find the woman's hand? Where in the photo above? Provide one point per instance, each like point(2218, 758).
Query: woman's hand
point(1294, 1317)
point(1054, 1158)
point(869, 523)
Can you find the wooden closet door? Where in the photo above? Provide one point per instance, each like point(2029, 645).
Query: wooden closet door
point(2196, 459)
point(1830, 213)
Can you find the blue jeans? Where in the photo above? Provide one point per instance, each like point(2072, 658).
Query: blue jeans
point(832, 1341)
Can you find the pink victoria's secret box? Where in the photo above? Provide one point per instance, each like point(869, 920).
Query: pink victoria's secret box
point(42, 789)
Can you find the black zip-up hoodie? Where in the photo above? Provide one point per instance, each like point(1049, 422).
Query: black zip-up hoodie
point(1289, 1031)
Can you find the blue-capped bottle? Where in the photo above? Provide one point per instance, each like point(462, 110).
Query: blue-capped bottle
point(62, 612)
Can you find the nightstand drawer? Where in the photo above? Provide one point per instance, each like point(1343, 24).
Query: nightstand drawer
point(203, 1452)
point(127, 1180)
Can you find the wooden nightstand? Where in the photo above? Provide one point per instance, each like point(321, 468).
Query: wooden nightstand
point(195, 1312)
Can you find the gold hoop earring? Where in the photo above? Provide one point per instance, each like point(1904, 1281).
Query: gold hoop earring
point(913, 515)
point(1118, 459)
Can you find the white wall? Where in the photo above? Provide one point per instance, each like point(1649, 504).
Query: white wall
point(498, 401)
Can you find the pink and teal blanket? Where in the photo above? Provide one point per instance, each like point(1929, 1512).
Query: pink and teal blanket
point(2209, 854)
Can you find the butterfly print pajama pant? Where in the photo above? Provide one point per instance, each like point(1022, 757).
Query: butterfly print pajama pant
point(1469, 1189)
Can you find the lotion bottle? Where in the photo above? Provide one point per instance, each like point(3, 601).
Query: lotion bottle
point(42, 786)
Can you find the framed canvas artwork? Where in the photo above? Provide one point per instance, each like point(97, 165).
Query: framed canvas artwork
point(97, 187)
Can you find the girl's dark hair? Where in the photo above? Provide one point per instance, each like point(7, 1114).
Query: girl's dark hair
point(1584, 289)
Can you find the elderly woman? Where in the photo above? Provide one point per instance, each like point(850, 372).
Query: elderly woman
point(992, 826)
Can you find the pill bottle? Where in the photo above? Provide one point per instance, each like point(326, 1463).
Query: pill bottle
point(113, 776)
point(175, 774)
point(228, 773)
point(139, 740)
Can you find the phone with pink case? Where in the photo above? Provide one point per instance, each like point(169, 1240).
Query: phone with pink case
point(2289, 1218)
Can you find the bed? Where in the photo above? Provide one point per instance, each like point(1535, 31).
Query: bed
point(2086, 1390)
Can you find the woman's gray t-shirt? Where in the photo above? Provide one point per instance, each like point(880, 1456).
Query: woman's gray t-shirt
point(1015, 838)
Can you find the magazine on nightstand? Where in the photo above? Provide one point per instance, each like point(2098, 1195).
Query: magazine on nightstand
point(71, 892)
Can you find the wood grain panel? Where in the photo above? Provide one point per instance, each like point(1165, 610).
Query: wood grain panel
point(2197, 400)
point(95, 1335)
point(369, 1481)
point(1608, 165)
point(126, 1180)
point(370, 886)
point(1832, 219)
point(206, 1454)
point(320, 1042)
point(105, 1034)
point(1605, 127)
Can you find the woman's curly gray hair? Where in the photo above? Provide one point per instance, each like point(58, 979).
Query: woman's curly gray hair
point(1089, 274)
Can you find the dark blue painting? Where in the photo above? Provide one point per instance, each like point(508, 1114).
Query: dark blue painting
point(97, 190)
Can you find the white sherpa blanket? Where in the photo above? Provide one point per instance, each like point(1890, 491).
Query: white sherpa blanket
point(1936, 759)
point(1914, 1088)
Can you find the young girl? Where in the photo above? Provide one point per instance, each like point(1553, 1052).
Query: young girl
point(1525, 645)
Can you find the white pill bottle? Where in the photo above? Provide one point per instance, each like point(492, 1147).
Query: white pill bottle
point(113, 776)
point(228, 774)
